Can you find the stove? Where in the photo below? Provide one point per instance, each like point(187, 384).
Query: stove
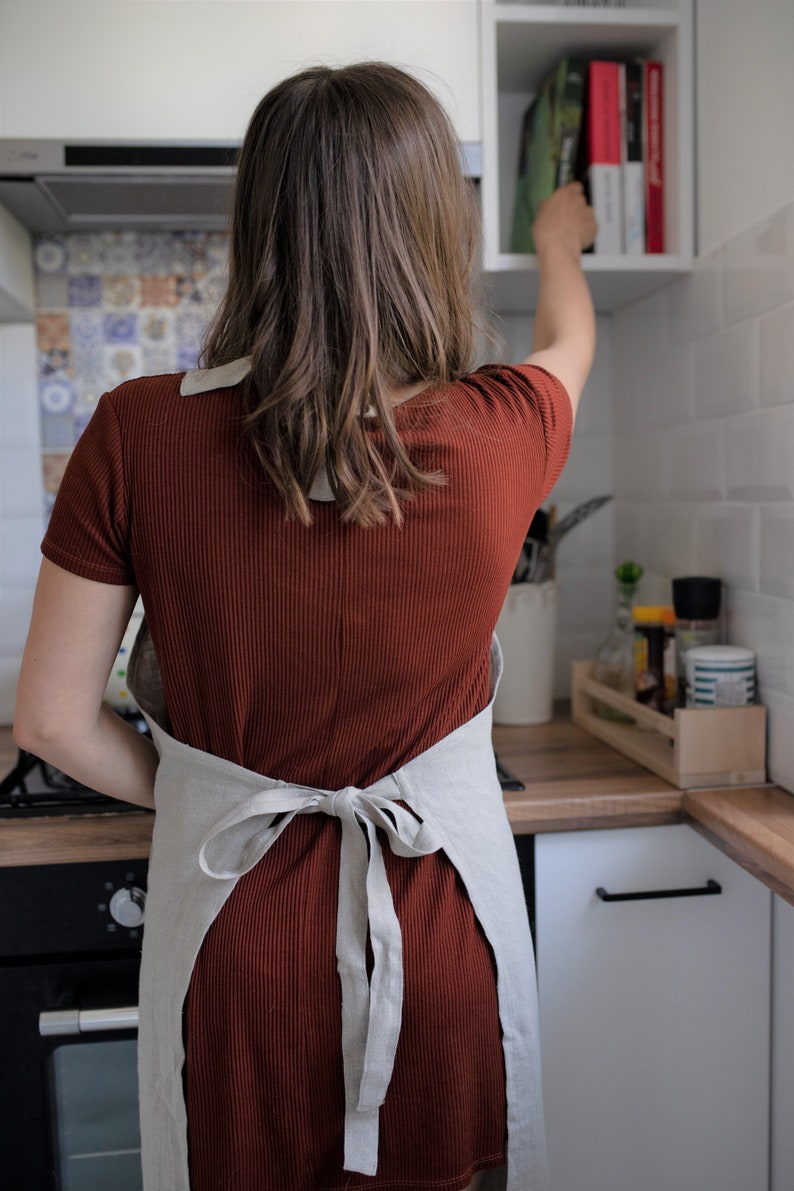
point(34, 788)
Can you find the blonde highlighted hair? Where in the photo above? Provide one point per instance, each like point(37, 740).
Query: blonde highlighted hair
point(353, 240)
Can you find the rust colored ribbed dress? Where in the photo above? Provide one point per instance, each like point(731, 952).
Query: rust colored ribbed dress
point(327, 656)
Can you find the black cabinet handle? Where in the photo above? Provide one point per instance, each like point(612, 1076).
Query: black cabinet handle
point(711, 887)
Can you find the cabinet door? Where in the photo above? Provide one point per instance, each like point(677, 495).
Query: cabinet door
point(782, 1046)
point(654, 1014)
point(196, 69)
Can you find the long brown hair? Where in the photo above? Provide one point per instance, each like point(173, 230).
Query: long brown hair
point(352, 247)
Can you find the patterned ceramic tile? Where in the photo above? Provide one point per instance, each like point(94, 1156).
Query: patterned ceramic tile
point(57, 430)
point(120, 293)
point(122, 362)
point(51, 293)
point(112, 306)
point(53, 466)
point(83, 255)
point(49, 255)
point(84, 290)
point(120, 328)
point(56, 396)
point(157, 290)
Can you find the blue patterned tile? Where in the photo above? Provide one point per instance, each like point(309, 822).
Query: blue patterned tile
point(154, 252)
point(85, 290)
point(120, 328)
point(56, 396)
point(49, 254)
point(86, 329)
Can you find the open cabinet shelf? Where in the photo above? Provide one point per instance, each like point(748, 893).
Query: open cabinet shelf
point(521, 44)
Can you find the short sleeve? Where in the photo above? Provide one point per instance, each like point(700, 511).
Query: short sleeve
point(87, 533)
point(547, 407)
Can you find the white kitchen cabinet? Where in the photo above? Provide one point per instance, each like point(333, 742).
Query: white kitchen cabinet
point(782, 1046)
point(521, 44)
point(655, 1014)
point(194, 69)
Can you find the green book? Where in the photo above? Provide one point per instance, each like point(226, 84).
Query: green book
point(549, 146)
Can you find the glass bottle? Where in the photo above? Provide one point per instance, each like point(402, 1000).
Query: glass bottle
point(614, 660)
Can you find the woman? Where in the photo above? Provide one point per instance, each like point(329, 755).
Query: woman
point(322, 524)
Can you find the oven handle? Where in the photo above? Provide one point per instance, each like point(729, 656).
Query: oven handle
point(59, 1022)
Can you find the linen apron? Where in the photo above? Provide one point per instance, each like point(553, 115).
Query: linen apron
point(215, 821)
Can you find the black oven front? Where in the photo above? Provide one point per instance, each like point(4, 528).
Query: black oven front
point(70, 939)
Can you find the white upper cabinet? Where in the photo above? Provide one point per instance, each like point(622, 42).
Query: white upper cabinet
point(521, 45)
point(195, 69)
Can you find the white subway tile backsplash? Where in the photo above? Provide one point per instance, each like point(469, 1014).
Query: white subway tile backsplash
point(777, 356)
point(671, 539)
point(694, 303)
point(632, 520)
point(727, 371)
point(641, 465)
point(758, 270)
point(760, 455)
point(727, 544)
point(697, 462)
point(765, 625)
point(587, 599)
point(777, 550)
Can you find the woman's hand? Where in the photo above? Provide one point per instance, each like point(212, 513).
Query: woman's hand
point(565, 219)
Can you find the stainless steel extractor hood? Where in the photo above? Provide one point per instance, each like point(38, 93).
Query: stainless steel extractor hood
point(55, 186)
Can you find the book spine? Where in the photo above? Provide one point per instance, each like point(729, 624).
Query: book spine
point(570, 100)
point(604, 155)
point(654, 162)
point(633, 166)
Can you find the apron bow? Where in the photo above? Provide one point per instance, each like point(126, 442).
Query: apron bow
point(371, 1008)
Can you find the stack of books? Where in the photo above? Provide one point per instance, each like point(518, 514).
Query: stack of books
point(601, 122)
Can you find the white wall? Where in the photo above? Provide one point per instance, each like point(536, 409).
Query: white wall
point(704, 370)
point(745, 136)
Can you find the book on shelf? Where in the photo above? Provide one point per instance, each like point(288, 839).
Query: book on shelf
point(604, 172)
point(549, 146)
point(631, 76)
point(653, 153)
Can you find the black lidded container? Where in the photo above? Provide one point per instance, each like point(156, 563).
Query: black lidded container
point(697, 600)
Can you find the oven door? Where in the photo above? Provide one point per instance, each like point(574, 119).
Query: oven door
point(70, 945)
point(69, 1102)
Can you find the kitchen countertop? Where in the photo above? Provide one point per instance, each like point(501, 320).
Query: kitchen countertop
point(573, 782)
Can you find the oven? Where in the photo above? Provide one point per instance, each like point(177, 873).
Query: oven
point(70, 942)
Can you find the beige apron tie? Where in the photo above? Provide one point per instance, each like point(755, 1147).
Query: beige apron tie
point(371, 1009)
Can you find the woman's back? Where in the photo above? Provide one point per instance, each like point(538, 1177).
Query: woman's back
point(323, 654)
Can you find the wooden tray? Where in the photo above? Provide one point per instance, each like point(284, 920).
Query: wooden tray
point(696, 747)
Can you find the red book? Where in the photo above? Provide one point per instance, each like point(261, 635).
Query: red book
point(654, 157)
point(604, 137)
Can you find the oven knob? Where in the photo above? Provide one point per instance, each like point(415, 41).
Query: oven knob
point(127, 906)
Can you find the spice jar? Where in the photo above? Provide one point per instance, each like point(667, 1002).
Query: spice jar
point(697, 600)
point(649, 655)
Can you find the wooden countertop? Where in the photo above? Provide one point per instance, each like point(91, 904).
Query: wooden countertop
point(573, 782)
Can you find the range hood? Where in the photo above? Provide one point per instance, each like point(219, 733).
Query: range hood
point(55, 186)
